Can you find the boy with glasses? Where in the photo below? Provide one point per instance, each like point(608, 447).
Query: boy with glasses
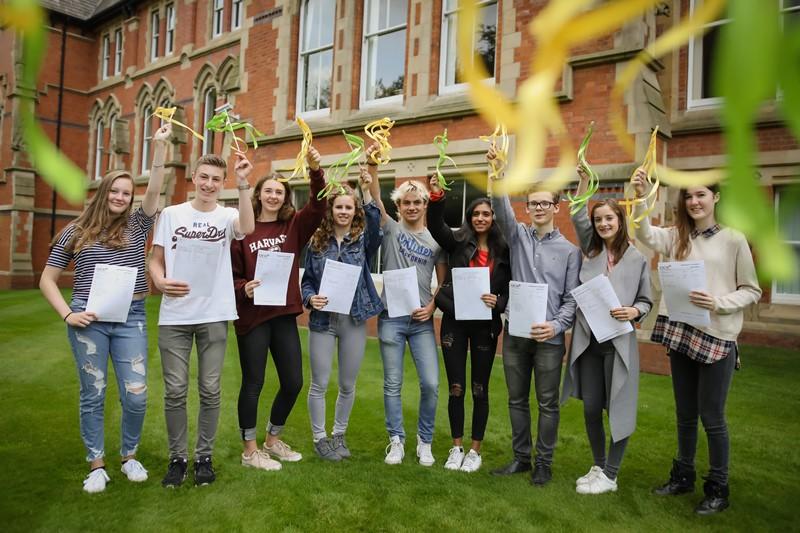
point(539, 254)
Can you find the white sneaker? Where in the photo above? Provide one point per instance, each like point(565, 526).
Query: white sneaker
point(599, 484)
point(424, 453)
point(455, 458)
point(282, 452)
point(395, 451)
point(96, 481)
point(472, 462)
point(134, 470)
point(593, 471)
point(261, 460)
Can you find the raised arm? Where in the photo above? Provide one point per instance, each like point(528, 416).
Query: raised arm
point(373, 233)
point(580, 220)
point(503, 213)
point(375, 186)
point(311, 215)
point(439, 229)
point(156, 180)
point(246, 223)
point(657, 239)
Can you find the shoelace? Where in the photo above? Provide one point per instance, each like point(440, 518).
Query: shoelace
point(394, 446)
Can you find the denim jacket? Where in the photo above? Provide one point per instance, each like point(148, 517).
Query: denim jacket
point(367, 301)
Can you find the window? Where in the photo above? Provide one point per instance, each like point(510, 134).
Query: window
point(98, 150)
point(209, 103)
point(789, 220)
point(217, 18)
point(238, 14)
point(169, 38)
point(316, 56)
point(702, 52)
point(112, 124)
point(118, 52)
point(147, 136)
point(155, 23)
point(106, 57)
point(484, 39)
point(384, 56)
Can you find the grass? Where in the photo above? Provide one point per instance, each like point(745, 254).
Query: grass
point(41, 455)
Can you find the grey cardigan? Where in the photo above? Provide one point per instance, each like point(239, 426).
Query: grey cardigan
point(630, 279)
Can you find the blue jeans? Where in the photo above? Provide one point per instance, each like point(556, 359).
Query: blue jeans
point(127, 345)
point(393, 334)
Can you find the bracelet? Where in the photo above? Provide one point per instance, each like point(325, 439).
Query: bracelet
point(157, 166)
point(67, 316)
point(243, 187)
point(371, 163)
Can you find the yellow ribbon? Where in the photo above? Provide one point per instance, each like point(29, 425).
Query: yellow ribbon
point(499, 141)
point(166, 114)
point(649, 200)
point(300, 163)
point(378, 131)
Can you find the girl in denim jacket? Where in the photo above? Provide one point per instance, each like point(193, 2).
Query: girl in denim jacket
point(349, 233)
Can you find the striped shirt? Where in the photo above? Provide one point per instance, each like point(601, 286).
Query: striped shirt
point(132, 255)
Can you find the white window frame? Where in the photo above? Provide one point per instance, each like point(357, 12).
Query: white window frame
point(147, 135)
point(445, 42)
point(155, 29)
point(368, 66)
point(777, 297)
point(237, 14)
point(301, 74)
point(99, 132)
point(118, 52)
point(209, 104)
point(112, 122)
point(217, 18)
point(105, 68)
point(169, 37)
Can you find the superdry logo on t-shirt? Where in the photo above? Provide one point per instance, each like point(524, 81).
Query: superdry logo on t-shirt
point(270, 244)
point(412, 250)
point(201, 231)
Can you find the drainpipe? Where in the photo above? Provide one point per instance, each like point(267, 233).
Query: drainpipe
point(58, 117)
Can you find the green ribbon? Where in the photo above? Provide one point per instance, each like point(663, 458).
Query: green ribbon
point(440, 142)
point(337, 172)
point(222, 123)
point(577, 202)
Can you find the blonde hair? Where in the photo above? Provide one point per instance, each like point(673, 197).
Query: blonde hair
point(408, 187)
point(212, 160)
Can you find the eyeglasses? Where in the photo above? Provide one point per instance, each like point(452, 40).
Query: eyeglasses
point(543, 205)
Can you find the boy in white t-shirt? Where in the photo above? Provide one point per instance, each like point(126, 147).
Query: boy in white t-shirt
point(191, 266)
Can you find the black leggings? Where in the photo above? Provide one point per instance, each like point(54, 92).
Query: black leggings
point(456, 336)
point(701, 391)
point(278, 335)
point(596, 366)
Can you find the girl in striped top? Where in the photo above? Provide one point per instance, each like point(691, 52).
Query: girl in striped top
point(110, 232)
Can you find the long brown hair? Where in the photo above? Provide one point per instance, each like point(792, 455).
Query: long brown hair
point(97, 224)
point(287, 210)
point(323, 234)
point(685, 224)
point(620, 243)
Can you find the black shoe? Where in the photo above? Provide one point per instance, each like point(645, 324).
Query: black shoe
point(514, 467)
point(681, 481)
point(176, 473)
point(204, 471)
point(716, 499)
point(541, 475)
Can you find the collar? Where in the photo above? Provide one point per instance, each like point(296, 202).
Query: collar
point(550, 235)
point(706, 233)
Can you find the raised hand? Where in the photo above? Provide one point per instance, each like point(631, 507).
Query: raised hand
point(313, 158)
point(639, 181)
point(162, 134)
point(434, 183)
point(243, 167)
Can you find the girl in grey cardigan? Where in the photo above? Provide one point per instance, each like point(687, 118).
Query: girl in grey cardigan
point(606, 375)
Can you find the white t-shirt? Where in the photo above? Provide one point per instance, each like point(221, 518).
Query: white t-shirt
point(182, 221)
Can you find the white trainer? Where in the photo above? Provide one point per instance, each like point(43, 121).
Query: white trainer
point(472, 462)
point(134, 470)
point(96, 481)
point(593, 471)
point(424, 453)
point(261, 460)
point(282, 452)
point(395, 451)
point(455, 458)
point(599, 484)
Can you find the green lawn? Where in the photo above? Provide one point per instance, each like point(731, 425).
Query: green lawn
point(41, 456)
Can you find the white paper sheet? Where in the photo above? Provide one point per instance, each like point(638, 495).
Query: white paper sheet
point(527, 305)
point(469, 283)
point(339, 282)
point(111, 292)
point(678, 278)
point(402, 291)
point(196, 263)
point(273, 270)
point(597, 298)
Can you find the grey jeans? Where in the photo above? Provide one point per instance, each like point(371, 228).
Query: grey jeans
point(352, 339)
point(175, 344)
point(521, 358)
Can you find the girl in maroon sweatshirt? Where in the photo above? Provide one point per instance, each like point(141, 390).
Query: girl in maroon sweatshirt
point(263, 328)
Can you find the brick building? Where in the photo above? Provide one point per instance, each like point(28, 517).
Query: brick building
point(340, 64)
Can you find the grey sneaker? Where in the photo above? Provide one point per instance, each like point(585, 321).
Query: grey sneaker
point(340, 446)
point(324, 448)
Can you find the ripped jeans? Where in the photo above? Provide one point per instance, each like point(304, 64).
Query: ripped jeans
point(127, 345)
